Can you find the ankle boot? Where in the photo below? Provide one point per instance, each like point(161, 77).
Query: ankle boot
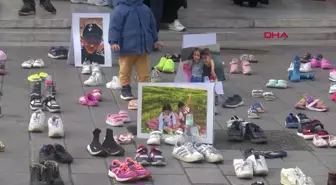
point(52, 173)
point(332, 178)
point(95, 148)
point(111, 146)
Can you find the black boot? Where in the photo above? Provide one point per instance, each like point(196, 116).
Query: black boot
point(95, 148)
point(36, 96)
point(111, 147)
point(52, 173)
point(27, 9)
point(37, 174)
point(47, 6)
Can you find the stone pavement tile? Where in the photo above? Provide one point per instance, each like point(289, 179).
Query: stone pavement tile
point(299, 156)
point(309, 167)
point(328, 160)
point(208, 176)
point(227, 169)
point(173, 167)
point(170, 179)
point(234, 180)
point(276, 163)
point(320, 179)
point(138, 182)
point(273, 177)
point(87, 166)
point(14, 165)
point(90, 179)
point(65, 174)
point(198, 165)
point(14, 178)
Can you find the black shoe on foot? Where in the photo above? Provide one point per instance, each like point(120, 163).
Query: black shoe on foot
point(110, 146)
point(233, 102)
point(95, 148)
point(254, 133)
point(47, 6)
point(27, 9)
point(62, 155)
point(236, 131)
point(126, 93)
point(47, 152)
point(52, 173)
point(51, 104)
point(37, 174)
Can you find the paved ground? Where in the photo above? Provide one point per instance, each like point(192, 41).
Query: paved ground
point(22, 147)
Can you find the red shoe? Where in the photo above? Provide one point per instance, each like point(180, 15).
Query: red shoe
point(333, 97)
point(318, 129)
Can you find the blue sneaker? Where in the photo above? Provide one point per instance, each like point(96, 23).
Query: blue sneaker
point(291, 121)
point(58, 52)
point(294, 75)
point(258, 107)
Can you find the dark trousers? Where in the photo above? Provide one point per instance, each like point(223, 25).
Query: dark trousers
point(156, 6)
point(29, 1)
point(170, 9)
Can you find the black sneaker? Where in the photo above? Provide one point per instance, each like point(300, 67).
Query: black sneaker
point(156, 157)
point(95, 148)
point(302, 118)
point(110, 146)
point(36, 97)
point(52, 173)
point(58, 52)
point(126, 93)
point(47, 152)
point(233, 102)
point(62, 155)
point(254, 133)
point(37, 174)
point(27, 9)
point(51, 104)
point(236, 131)
point(47, 6)
point(142, 156)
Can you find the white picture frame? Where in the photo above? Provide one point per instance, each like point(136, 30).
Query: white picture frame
point(76, 37)
point(206, 131)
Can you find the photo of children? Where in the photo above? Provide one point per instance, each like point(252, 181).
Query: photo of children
point(165, 109)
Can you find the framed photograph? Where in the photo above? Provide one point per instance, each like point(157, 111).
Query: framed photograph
point(90, 38)
point(164, 107)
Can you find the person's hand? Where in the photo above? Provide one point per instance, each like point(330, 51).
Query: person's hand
point(115, 47)
point(101, 47)
point(213, 74)
point(158, 44)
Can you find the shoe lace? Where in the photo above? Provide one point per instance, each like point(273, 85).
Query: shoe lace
point(190, 147)
point(137, 166)
point(123, 168)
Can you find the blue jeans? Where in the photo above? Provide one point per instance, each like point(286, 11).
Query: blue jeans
point(195, 79)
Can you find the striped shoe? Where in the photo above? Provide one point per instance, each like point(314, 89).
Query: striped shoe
point(187, 153)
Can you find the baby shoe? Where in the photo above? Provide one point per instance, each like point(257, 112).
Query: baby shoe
point(97, 93)
point(234, 69)
point(88, 100)
point(325, 64)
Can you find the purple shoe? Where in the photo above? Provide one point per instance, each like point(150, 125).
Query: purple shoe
point(140, 171)
point(121, 172)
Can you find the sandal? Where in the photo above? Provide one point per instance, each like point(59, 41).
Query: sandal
point(268, 96)
point(317, 105)
point(97, 93)
point(114, 120)
point(253, 114)
point(133, 105)
point(2, 147)
point(124, 138)
point(258, 107)
point(88, 100)
point(124, 116)
point(257, 93)
point(272, 83)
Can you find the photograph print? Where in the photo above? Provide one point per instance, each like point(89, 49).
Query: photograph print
point(164, 106)
point(90, 34)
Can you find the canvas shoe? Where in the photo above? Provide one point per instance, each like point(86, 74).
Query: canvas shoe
point(94, 80)
point(187, 153)
point(36, 123)
point(95, 67)
point(142, 156)
point(173, 139)
point(243, 169)
point(259, 164)
point(176, 26)
point(86, 68)
point(114, 84)
point(233, 119)
point(55, 125)
point(154, 138)
point(210, 153)
point(332, 75)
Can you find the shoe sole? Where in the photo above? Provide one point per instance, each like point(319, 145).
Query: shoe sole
point(191, 160)
point(234, 106)
point(56, 57)
point(27, 14)
point(112, 175)
point(35, 129)
point(305, 137)
point(114, 125)
point(144, 163)
point(53, 110)
point(56, 135)
point(126, 98)
point(235, 138)
point(100, 153)
point(158, 163)
point(35, 108)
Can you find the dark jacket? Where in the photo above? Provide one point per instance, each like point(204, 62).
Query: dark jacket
point(132, 27)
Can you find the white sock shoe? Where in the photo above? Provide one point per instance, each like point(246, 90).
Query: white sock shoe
point(243, 169)
point(259, 164)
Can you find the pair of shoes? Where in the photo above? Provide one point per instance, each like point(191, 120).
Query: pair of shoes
point(154, 157)
point(308, 128)
point(255, 164)
point(248, 57)
point(59, 52)
point(304, 67)
point(126, 93)
point(155, 76)
point(92, 98)
point(174, 56)
point(319, 61)
point(320, 142)
point(114, 84)
point(294, 176)
point(55, 124)
point(254, 110)
point(117, 120)
point(129, 170)
point(54, 152)
point(241, 130)
point(238, 66)
point(233, 102)
point(95, 79)
point(278, 84)
point(124, 139)
point(266, 154)
point(165, 65)
point(29, 8)
point(108, 147)
point(156, 136)
point(259, 93)
point(32, 64)
point(89, 68)
point(37, 77)
point(48, 103)
point(308, 102)
point(46, 173)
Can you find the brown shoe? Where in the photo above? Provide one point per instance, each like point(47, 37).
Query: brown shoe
point(332, 178)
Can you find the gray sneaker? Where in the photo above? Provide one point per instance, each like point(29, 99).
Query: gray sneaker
point(155, 77)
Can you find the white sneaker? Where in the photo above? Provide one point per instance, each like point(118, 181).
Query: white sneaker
point(210, 154)
point(36, 123)
point(55, 125)
point(176, 26)
point(288, 176)
point(305, 180)
point(38, 63)
point(172, 140)
point(243, 169)
point(98, 2)
point(86, 68)
point(114, 84)
point(187, 153)
point(259, 164)
point(319, 142)
point(27, 64)
point(95, 67)
point(332, 75)
point(154, 138)
point(304, 67)
point(332, 88)
point(94, 80)
point(233, 119)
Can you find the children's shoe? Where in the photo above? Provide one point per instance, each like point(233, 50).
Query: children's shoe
point(325, 64)
point(95, 148)
point(161, 64)
point(114, 84)
point(94, 80)
point(333, 97)
point(3, 56)
point(55, 125)
point(36, 123)
point(294, 75)
point(246, 67)
point(124, 116)
point(86, 68)
point(259, 164)
point(233, 119)
point(258, 107)
point(115, 120)
point(332, 88)
point(138, 169)
point(211, 155)
point(110, 145)
point(27, 64)
point(59, 52)
point(291, 121)
point(302, 118)
point(320, 142)
point(186, 152)
point(304, 67)
point(156, 157)
point(332, 141)
point(288, 176)
point(51, 104)
point(38, 63)
point(332, 75)
point(243, 169)
point(95, 67)
point(172, 140)
point(302, 103)
point(318, 129)
point(316, 61)
point(154, 76)
point(142, 156)
point(234, 69)
point(317, 105)
point(88, 100)
point(254, 133)
point(305, 130)
point(133, 105)
point(121, 172)
point(154, 138)
point(253, 113)
point(236, 131)
point(126, 93)
point(305, 58)
point(97, 93)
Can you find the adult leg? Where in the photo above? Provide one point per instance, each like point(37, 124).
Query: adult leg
point(47, 6)
point(28, 8)
point(142, 68)
point(157, 7)
point(125, 71)
point(170, 15)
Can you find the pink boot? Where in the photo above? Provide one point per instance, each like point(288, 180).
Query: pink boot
point(234, 69)
point(325, 64)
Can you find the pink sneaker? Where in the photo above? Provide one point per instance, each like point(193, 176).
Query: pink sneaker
point(97, 93)
point(124, 116)
point(3, 56)
point(246, 67)
point(114, 120)
point(234, 69)
point(88, 100)
point(317, 105)
point(325, 64)
point(314, 63)
point(302, 103)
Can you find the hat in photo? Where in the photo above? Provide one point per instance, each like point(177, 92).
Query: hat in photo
point(92, 33)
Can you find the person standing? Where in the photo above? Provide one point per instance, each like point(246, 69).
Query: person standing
point(170, 14)
point(156, 6)
point(28, 7)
